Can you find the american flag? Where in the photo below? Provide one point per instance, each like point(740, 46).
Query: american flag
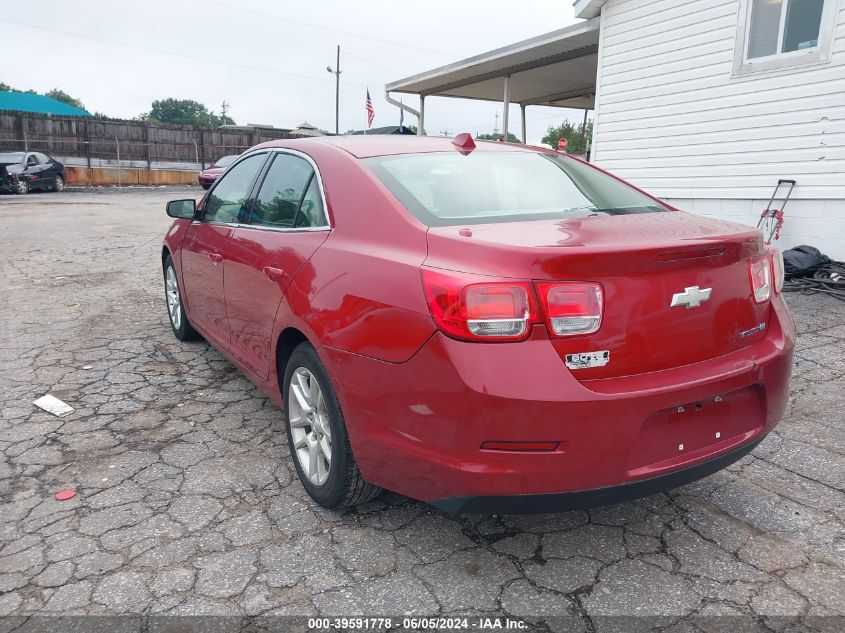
point(371, 111)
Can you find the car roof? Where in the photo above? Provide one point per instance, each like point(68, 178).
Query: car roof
point(362, 146)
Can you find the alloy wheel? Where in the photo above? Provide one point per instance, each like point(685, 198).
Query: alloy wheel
point(23, 186)
point(59, 185)
point(174, 301)
point(310, 426)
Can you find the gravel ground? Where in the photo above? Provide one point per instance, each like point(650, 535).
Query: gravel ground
point(188, 504)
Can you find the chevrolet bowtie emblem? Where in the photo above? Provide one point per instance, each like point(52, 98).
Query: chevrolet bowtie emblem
point(691, 297)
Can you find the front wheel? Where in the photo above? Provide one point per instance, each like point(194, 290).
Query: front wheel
point(175, 309)
point(317, 434)
point(22, 187)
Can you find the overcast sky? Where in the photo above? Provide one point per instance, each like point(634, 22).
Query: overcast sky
point(268, 59)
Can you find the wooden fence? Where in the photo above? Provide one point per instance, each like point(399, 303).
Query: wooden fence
point(134, 141)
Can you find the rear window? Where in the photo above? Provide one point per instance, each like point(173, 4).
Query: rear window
point(448, 188)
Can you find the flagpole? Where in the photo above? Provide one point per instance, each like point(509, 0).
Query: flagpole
point(368, 114)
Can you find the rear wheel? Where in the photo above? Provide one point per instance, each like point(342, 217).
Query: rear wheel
point(175, 308)
point(58, 183)
point(317, 435)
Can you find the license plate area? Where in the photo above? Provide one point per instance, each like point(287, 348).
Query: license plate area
point(690, 430)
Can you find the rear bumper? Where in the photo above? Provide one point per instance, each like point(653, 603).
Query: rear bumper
point(560, 502)
point(417, 427)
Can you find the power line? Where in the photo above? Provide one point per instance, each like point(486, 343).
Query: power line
point(371, 63)
point(160, 51)
point(330, 29)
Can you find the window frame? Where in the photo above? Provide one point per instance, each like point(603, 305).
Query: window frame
point(819, 54)
point(243, 223)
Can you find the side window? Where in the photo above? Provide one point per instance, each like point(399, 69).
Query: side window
point(42, 158)
point(311, 212)
point(281, 193)
point(31, 161)
point(229, 194)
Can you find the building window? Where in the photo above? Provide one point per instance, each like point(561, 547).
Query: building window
point(776, 34)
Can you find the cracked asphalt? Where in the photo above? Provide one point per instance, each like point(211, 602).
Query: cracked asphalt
point(187, 502)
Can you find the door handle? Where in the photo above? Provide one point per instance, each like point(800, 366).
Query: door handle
point(274, 274)
point(215, 257)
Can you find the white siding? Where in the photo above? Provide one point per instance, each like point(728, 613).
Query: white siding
point(671, 119)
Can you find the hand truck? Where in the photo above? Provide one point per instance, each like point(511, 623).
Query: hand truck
point(771, 220)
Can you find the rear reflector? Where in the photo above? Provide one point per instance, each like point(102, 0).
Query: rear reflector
point(777, 269)
point(760, 274)
point(572, 307)
point(470, 307)
point(523, 447)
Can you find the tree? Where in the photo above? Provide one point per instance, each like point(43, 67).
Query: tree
point(579, 139)
point(4, 87)
point(60, 95)
point(185, 112)
point(495, 137)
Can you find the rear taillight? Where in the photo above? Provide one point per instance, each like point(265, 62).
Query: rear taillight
point(777, 269)
point(760, 274)
point(474, 308)
point(571, 308)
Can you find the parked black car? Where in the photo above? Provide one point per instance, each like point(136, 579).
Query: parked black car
point(21, 172)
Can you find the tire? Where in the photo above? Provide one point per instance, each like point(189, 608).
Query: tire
point(343, 485)
point(22, 188)
point(58, 183)
point(179, 323)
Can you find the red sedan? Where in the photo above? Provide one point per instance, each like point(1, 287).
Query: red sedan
point(208, 175)
point(491, 328)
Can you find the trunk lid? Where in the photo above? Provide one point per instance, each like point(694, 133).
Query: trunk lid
point(641, 261)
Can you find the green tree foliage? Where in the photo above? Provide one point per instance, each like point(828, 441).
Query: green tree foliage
point(61, 95)
point(184, 112)
point(4, 87)
point(512, 138)
point(574, 133)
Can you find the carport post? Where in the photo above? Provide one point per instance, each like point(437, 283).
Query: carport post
point(421, 126)
point(507, 103)
point(522, 107)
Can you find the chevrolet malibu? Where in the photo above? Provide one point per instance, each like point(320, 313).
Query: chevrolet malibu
point(490, 328)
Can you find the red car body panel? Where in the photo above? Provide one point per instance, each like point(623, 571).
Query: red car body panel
point(684, 387)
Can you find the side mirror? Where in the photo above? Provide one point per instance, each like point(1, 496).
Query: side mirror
point(185, 209)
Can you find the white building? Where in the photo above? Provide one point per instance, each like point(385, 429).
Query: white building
point(705, 103)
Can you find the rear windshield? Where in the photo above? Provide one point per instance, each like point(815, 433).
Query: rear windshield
point(449, 188)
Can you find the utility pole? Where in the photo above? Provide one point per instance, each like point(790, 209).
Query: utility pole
point(496, 124)
point(336, 73)
point(223, 108)
point(444, 132)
